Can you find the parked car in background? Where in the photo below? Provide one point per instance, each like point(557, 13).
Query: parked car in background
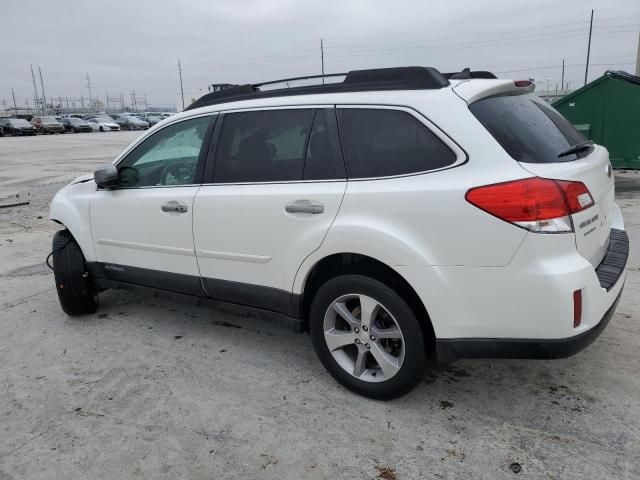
point(131, 122)
point(103, 124)
point(150, 117)
point(73, 124)
point(47, 125)
point(17, 126)
point(99, 115)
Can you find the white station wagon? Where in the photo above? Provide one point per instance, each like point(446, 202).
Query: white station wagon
point(394, 214)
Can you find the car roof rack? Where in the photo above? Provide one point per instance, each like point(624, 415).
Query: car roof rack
point(399, 78)
point(468, 74)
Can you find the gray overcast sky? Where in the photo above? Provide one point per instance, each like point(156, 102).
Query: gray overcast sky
point(134, 45)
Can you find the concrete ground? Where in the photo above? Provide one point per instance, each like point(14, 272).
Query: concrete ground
point(151, 387)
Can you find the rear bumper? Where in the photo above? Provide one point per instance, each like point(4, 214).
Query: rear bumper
point(449, 350)
point(525, 309)
point(610, 276)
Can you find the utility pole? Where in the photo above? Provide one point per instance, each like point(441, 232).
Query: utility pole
point(586, 68)
point(35, 89)
point(44, 98)
point(89, 87)
point(562, 82)
point(322, 58)
point(106, 95)
point(181, 89)
point(15, 107)
point(638, 58)
point(134, 105)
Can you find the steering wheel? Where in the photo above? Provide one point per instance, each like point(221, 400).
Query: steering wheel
point(179, 173)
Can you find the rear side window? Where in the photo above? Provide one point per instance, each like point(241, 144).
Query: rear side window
point(384, 142)
point(527, 129)
point(263, 146)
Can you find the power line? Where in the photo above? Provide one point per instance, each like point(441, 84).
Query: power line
point(518, 33)
point(548, 67)
point(467, 45)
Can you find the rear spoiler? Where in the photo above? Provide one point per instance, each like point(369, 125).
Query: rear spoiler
point(467, 74)
point(473, 91)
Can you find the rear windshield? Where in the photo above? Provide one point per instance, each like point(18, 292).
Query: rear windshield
point(528, 129)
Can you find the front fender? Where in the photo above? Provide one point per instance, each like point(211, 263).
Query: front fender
point(70, 207)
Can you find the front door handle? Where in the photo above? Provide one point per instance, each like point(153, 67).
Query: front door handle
point(304, 206)
point(174, 207)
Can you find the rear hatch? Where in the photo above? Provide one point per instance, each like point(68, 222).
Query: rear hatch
point(545, 144)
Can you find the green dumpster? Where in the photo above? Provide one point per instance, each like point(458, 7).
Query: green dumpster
point(607, 111)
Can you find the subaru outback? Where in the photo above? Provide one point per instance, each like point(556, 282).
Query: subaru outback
point(394, 214)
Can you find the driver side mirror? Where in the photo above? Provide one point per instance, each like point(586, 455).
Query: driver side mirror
point(106, 176)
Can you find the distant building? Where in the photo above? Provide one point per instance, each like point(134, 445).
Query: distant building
point(607, 111)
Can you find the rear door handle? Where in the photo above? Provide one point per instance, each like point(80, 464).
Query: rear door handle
point(304, 206)
point(174, 207)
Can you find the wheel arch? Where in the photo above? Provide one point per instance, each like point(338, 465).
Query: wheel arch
point(355, 263)
point(73, 214)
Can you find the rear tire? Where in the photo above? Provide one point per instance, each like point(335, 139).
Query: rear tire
point(403, 354)
point(76, 292)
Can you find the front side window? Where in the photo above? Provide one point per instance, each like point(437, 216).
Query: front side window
point(386, 142)
point(168, 157)
point(263, 146)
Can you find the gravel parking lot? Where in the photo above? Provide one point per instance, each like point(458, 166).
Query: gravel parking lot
point(154, 387)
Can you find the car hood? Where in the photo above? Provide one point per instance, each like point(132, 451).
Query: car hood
point(82, 178)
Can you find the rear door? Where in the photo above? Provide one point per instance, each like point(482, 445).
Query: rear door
point(275, 187)
point(536, 135)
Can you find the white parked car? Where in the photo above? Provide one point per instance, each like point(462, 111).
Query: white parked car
point(397, 215)
point(103, 124)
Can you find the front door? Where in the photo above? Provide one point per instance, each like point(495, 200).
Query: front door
point(274, 191)
point(142, 230)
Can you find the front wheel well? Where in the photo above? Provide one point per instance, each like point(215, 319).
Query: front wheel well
point(357, 264)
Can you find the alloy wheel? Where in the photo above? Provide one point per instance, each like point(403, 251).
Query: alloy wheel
point(364, 338)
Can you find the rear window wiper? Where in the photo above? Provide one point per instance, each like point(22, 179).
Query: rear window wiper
point(578, 147)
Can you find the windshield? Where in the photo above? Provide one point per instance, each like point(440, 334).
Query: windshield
point(528, 129)
point(19, 122)
point(104, 119)
point(49, 120)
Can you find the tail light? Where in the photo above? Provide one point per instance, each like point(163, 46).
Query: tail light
point(536, 204)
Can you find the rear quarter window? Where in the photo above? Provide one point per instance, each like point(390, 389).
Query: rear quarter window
point(529, 130)
point(381, 142)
